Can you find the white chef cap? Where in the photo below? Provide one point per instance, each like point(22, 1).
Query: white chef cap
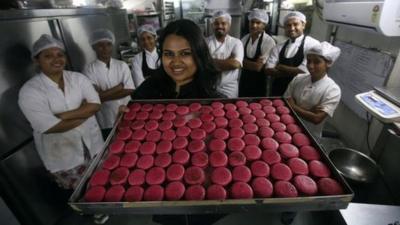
point(295, 14)
point(44, 42)
point(102, 35)
point(222, 14)
point(146, 28)
point(259, 14)
point(326, 50)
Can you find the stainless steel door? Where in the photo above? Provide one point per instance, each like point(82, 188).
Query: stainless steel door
point(76, 33)
point(16, 67)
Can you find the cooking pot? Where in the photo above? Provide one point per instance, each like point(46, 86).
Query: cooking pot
point(354, 165)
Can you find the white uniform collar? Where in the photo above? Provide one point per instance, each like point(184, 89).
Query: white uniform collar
point(320, 80)
point(152, 52)
point(258, 36)
point(298, 39)
point(227, 37)
point(103, 63)
point(48, 81)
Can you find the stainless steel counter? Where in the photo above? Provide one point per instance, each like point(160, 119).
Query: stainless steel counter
point(371, 214)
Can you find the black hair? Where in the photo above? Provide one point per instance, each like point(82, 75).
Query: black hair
point(207, 75)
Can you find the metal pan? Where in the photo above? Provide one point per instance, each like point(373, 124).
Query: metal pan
point(211, 206)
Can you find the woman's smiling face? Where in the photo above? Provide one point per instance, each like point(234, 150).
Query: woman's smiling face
point(51, 61)
point(177, 59)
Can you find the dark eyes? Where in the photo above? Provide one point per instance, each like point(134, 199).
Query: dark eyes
point(49, 56)
point(172, 54)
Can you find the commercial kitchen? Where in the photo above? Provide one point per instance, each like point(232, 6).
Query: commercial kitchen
point(200, 107)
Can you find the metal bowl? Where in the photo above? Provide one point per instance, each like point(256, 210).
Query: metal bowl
point(354, 165)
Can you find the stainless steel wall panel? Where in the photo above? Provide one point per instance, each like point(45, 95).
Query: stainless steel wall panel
point(232, 6)
point(33, 197)
point(76, 33)
point(16, 66)
point(119, 24)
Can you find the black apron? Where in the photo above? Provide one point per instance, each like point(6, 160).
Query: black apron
point(252, 83)
point(280, 84)
point(147, 72)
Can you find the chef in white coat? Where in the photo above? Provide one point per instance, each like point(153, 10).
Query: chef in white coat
point(60, 106)
point(145, 63)
point(111, 78)
point(227, 52)
point(288, 59)
point(314, 96)
point(257, 48)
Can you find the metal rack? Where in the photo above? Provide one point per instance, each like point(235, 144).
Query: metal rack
point(168, 12)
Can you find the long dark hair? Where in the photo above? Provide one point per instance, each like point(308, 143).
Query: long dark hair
point(207, 75)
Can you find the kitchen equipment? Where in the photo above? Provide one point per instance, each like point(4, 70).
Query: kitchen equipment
point(379, 106)
point(354, 165)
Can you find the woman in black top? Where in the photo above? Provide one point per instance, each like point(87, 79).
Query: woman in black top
point(187, 69)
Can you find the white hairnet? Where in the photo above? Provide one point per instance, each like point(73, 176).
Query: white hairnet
point(326, 50)
point(44, 42)
point(102, 35)
point(147, 28)
point(222, 14)
point(295, 14)
point(259, 14)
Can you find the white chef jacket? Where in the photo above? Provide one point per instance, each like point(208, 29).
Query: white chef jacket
point(229, 84)
point(152, 63)
point(40, 99)
point(266, 46)
point(291, 50)
point(106, 78)
point(324, 92)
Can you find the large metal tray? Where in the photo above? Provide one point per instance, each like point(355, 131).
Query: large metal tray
point(313, 203)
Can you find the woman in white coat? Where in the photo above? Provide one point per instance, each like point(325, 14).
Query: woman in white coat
point(145, 63)
point(60, 106)
point(314, 96)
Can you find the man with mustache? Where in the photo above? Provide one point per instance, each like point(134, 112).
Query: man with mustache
point(227, 53)
point(288, 59)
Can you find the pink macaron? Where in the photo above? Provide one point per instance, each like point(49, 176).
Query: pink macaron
point(111, 162)
point(218, 159)
point(262, 187)
point(241, 190)
point(305, 185)
point(221, 176)
point(175, 172)
point(174, 191)
point(216, 192)
point(280, 171)
point(271, 157)
point(95, 194)
point(285, 189)
point(154, 193)
point(134, 194)
point(164, 147)
point(236, 159)
point(259, 168)
point(137, 177)
point(132, 146)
